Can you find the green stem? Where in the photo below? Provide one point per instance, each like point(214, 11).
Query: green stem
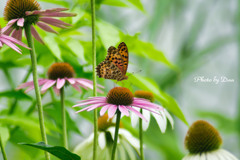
point(141, 138)
point(64, 124)
point(36, 86)
point(116, 134)
point(2, 149)
point(94, 77)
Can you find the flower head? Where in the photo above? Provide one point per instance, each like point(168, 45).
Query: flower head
point(119, 98)
point(11, 42)
point(59, 75)
point(203, 142)
point(20, 13)
point(127, 146)
point(161, 117)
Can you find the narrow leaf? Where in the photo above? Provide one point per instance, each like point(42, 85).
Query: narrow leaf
point(60, 152)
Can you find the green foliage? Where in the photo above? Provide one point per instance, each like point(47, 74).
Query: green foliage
point(60, 152)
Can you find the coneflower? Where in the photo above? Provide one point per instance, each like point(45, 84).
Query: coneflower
point(204, 142)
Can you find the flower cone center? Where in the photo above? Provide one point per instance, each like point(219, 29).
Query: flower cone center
point(144, 94)
point(60, 70)
point(120, 96)
point(202, 137)
point(17, 9)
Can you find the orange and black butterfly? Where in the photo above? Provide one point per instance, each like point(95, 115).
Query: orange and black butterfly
point(115, 64)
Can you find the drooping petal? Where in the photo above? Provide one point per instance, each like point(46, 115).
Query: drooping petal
point(57, 91)
point(134, 118)
point(46, 27)
point(58, 14)
point(102, 140)
point(88, 103)
point(146, 108)
point(112, 110)
point(20, 22)
point(27, 84)
point(77, 87)
point(89, 81)
point(85, 84)
point(161, 121)
point(145, 124)
point(71, 80)
point(104, 109)
point(169, 117)
point(15, 41)
point(1, 43)
point(60, 83)
point(129, 137)
point(17, 34)
point(11, 45)
point(94, 106)
point(136, 112)
point(9, 31)
point(48, 84)
point(53, 21)
point(36, 35)
point(123, 110)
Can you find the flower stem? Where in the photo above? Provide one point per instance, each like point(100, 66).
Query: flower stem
point(94, 77)
point(116, 134)
point(64, 125)
point(36, 86)
point(2, 149)
point(141, 137)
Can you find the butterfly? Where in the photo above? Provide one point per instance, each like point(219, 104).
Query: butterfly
point(115, 64)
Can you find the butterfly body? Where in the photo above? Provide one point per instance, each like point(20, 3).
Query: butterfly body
point(115, 64)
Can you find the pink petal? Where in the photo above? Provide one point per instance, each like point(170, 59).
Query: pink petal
point(29, 89)
point(9, 31)
point(87, 103)
point(104, 109)
point(146, 108)
point(100, 91)
point(53, 21)
point(60, 83)
point(36, 35)
point(15, 41)
point(77, 87)
point(58, 14)
point(6, 28)
point(45, 11)
point(20, 22)
point(71, 80)
point(85, 84)
point(90, 107)
point(57, 91)
point(17, 34)
point(46, 27)
point(1, 43)
point(136, 112)
point(11, 22)
point(48, 84)
point(112, 110)
point(123, 109)
point(11, 45)
point(27, 84)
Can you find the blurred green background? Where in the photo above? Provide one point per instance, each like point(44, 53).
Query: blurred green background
point(171, 42)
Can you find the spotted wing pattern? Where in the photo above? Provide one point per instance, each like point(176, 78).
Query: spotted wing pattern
point(115, 64)
point(114, 57)
point(109, 70)
point(123, 51)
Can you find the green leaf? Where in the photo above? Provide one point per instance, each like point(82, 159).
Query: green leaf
point(118, 3)
point(52, 44)
point(138, 4)
point(77, 49)
point(58, 2)
point(60, 152)
point(166, 100)
point(146, 49)
point(4, 133)
point(15, 94)
point(108, 34)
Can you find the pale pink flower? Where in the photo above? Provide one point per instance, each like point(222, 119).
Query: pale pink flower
point(27, 12)
point(59, 75)
point(119, 98)
point(11, 42)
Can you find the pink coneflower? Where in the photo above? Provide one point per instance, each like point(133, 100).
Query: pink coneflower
point(118, 98)
point(20, 13)
point(59, 75)
point(11, 42)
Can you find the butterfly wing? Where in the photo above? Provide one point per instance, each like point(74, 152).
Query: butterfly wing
point(109, 70)
point(114, 57)
point(123, 51)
